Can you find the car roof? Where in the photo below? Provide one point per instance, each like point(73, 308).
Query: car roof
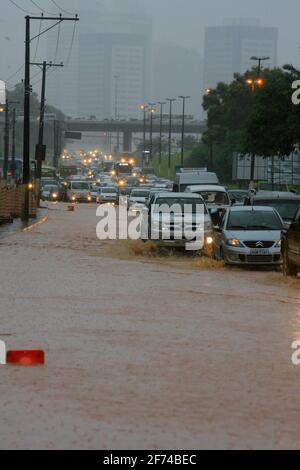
point(207, 187)
point(178, 195)
point(251, 208)
point(275, 195)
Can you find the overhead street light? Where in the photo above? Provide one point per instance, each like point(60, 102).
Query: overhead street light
point(183, 98)
point(151, 110)
point(171, 101)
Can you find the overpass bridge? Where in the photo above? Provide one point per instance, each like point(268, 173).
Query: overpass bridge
point(130, 127)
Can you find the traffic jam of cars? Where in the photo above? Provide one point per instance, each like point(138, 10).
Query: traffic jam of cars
point(236, 226)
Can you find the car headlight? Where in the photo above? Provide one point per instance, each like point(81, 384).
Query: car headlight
point(278, 244)
point(209, 240)
point(234, 242)
point(73, 198)
point(54, 195)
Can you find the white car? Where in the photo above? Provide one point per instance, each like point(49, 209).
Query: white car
point(176, 219)
point(137, 199)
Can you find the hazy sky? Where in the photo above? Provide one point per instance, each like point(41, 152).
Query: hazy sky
point(179, 21)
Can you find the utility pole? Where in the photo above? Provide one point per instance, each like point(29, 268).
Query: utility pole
point(41, 148)
point(13, 144)
point(144, 108)
point(184, 98)
point(151, 111)
point(161, 103)
point(116, 77)
point(171, 101)
point(6, 141)
point(253, 84)
point(27, 92)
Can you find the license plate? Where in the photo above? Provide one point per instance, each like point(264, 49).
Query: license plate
point(260, 251)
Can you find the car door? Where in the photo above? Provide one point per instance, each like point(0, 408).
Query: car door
point(294, 240)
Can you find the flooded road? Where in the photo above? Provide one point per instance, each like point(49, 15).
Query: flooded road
point(141, 352)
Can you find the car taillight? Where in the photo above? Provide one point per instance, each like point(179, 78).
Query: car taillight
point(26, 358)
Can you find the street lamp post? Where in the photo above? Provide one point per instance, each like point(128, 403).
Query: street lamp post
point(151, 111)
point(184, 98)
point(13, 144)
point(253, 83)
point(116, 77)
point(171, 101)
point(144, 108)
point(161, 103)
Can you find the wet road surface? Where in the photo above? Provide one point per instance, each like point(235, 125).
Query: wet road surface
point(142, 353)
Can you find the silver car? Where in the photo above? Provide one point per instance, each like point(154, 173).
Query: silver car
point(249, 236)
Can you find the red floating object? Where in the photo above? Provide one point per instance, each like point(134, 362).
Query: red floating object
point(25, 358)
point(71, 208)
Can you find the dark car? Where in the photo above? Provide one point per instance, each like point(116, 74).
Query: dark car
point(284, 202)
point(291, 248)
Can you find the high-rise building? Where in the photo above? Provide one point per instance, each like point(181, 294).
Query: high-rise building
point(228, 49)
point(109, 73)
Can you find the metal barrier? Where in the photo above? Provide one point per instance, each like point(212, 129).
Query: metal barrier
point(11, 204)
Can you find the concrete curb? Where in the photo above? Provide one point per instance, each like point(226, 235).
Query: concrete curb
point(35, 224)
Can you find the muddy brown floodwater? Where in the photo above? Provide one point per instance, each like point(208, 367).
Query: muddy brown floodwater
point(142, 352)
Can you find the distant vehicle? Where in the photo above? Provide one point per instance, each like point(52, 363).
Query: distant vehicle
point(50, 193)
point(215, 197)
point(48, 182)
point(137, 199)
point(249, 236)
point(169, 229)
point(79, 191)
point(122, 169)
point(194, 178)
point(109, 195)
point(107, 166)
point(291, 248)
point(284, 202)
point(66, 170)
point(49, 172)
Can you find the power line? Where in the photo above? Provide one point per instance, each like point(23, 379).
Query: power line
point(71, 45)
point(61, 9)
point(15, 73)
point(42, 9)
point(38, 41)
point(20, 8)
point(57, 42)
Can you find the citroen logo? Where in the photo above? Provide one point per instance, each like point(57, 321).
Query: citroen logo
point(259, 245)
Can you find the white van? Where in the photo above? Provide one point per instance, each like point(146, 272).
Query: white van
point(79, 191)
point(194, 178)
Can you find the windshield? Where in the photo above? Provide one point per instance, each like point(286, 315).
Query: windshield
point(214, 197)
point(178, 205)
point(254, 220)
point(50, 188)
point(109, 191)
point(286, 208)
point(81, 186)
point(140, 193)
point(239, 196)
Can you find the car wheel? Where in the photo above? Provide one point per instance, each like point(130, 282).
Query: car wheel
point(289, 269)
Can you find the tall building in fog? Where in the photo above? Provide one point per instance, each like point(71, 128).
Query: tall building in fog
point(228, 49)
point(110, 69)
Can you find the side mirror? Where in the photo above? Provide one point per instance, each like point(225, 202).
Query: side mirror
point(233, 202)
